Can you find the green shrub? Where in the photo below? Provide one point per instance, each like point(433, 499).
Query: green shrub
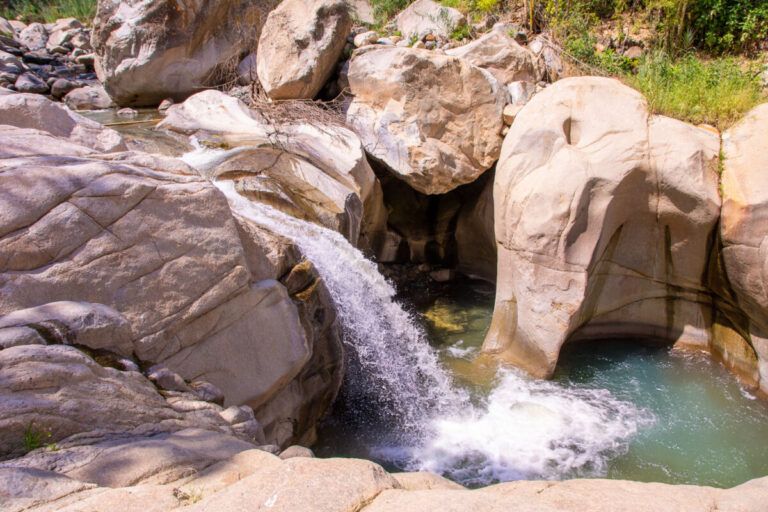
point(716, 92)
point(385, 9)
point(47, 11)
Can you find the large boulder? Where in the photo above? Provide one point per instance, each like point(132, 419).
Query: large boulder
point(424, 17)
point(744, 226)
point(434, 120)
point(299, 46)
point(310, 170)
point(605, 217)
point(36, 112)
point(499, 53)
point(152, 240)
point(147, 51)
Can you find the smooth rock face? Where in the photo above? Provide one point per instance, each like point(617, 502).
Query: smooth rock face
point(312, 171)
point(145, 236)
point(37, 112)
point(501, 55)
point(434, 120)
point(743, 228)
point(92, 97)
point(424, 17)
point(75, 323)
point(604, 220)
point(186, 471)
point(56, 391)
point(320, 485)
point(299, 46)
point(150, 454)
point(147, 51)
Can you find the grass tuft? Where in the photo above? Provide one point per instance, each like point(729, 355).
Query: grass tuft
point(48, 11)
point(716, 92)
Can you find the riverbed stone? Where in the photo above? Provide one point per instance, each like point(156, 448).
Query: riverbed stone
point(433, 120)
point(604, 220)
point(299, 46)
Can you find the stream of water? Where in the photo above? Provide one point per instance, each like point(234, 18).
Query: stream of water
point(417, 397)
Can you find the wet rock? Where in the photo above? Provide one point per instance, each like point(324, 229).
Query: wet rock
point(127, 113)
point(743, 229)
point(316, 171)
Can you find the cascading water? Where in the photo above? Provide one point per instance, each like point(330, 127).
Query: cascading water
point(404, 404)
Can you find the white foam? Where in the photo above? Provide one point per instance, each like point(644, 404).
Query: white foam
point(530, 428)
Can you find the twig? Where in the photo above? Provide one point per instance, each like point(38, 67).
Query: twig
point(123, 123)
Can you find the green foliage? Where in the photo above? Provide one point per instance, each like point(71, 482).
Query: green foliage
point(729, 25)
point(48, 11)
point(33, 439)
point(385, 9)
point(460, 32)
point(716, 92)
point(486, 5)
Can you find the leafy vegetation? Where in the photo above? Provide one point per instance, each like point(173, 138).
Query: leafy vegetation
point(48, 11)
point(715, 92)
point(33, 439)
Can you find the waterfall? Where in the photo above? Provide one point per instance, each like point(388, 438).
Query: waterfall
point(403, 406)
point(412, 414)
point(395, 373)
